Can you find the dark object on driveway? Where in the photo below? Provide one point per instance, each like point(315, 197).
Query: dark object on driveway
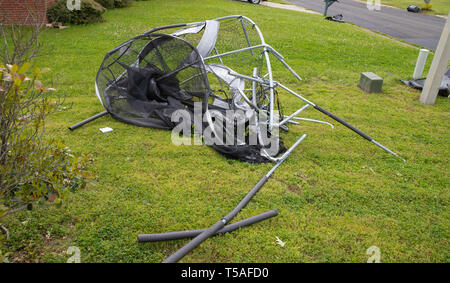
point(254, 1)
point(413, 8)
point(416, 28)
point(444, 89)
point(336, 18)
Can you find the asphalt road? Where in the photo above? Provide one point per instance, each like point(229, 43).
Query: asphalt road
point(415, 28)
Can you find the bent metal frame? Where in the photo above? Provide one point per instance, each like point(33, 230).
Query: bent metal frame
point(266, 80)
point(263, 85)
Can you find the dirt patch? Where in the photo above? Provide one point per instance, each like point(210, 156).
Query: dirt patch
point(295, 190)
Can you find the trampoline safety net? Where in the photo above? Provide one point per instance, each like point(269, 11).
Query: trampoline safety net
point(146, 79)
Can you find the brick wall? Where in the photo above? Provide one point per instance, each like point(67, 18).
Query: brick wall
point(24, 12)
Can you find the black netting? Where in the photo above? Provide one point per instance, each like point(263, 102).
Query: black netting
point(141, 81)
point(146, 79)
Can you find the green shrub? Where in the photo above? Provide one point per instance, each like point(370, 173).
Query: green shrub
point(108, 4)
point(33, 170)
point(90, 12)
point(122, 3)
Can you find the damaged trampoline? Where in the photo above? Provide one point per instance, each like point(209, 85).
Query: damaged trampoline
point(216, 66)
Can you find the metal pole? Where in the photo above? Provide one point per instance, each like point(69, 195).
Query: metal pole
point(221, 223)
point(349, 126)
point(234, 52)
point(292, 115)
point(193, 233)
point(88, 120)
point(336, 118)
point(312, 120)
point(246, 35)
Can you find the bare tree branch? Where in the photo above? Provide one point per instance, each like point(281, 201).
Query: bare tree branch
point(21, 42)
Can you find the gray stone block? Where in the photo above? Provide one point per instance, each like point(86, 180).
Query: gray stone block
point(370, 82)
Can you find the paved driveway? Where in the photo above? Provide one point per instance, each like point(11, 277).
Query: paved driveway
point(415, 28)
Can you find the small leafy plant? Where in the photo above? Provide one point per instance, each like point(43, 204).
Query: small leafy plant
point(33, 170)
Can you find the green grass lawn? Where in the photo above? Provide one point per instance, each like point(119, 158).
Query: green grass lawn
point(441, 7)
point(337, 194)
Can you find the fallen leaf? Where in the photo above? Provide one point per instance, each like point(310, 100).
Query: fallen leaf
point(280, 242)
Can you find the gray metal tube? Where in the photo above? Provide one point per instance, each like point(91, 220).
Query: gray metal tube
point(341, 121)
point(216, 227)
point(221, 223)
point(193, 233)
point(88, 120)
